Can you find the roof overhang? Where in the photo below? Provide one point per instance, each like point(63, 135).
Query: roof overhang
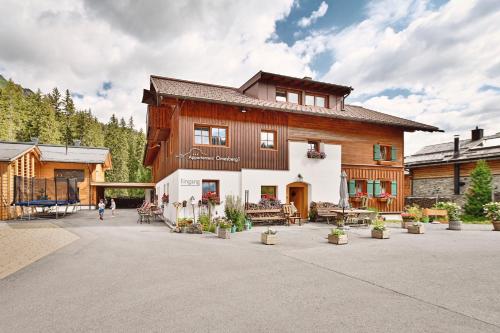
point(123, 185)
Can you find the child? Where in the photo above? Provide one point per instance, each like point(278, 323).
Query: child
point(113, 207)
point(101, 206)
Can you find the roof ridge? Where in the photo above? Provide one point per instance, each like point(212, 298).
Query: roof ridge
point(60, 145)
point(194, 82)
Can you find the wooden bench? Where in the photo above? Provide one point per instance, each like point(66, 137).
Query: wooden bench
point(270, 215)
point(436, 213)
point(291, 214)
point(326, 213)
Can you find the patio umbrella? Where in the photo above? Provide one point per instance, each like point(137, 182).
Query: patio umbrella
point(344, 194)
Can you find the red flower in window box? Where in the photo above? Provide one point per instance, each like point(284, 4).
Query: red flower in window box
point(165, 198)
point(210, 197)
point(268, 197)
point(316, 154)
point(384, 197)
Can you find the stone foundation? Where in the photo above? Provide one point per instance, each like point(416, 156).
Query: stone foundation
point(442, 188)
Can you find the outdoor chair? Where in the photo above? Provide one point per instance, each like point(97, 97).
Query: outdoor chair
point(291, 214)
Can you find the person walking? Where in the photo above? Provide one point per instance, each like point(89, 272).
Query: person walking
point(101, 207)
point(113, 207)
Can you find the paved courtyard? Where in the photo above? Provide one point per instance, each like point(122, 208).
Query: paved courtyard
point(121, 276)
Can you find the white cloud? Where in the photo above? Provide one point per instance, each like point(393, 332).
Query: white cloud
point(304, 22)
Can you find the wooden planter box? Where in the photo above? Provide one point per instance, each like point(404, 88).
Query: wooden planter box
point(339, 240)
point(496, 225)
point(268, 239)
point(381, 234)
point(224, 233)
point(416, 229)
point(355, 199)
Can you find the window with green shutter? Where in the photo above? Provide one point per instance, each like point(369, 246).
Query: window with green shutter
point(376, 152)
point(394, 153)
point(369, 187)
point(352, 188)
point(377, 190)
point(394, 188)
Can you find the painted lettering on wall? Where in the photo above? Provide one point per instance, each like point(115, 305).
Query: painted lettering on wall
point(190, 182)
point(196, 154)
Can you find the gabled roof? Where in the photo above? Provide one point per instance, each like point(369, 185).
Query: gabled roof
point(205, 92)
point(486, 148)
point(75, 154)
point(9, 151)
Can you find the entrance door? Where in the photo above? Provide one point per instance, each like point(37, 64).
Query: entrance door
point(297, 193)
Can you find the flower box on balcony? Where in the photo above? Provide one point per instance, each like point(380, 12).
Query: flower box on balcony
point(316, 154)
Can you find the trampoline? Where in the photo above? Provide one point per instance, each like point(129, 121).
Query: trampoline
point(47, 194)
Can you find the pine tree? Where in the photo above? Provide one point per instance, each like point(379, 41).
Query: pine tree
point(116, 141)
point(55, 101)
point(67, 124)
point(480, 188)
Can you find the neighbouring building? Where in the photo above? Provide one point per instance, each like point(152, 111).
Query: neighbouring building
point(443, 170)
point(276, 135)
point(37, 167)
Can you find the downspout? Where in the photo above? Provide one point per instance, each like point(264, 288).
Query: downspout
point(342, 106)
point(456, 166)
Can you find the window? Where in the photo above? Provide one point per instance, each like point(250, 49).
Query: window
point(210, 190)
point(314, 100)
point(210, 135)
point(268, 192)
point(218, 136)
point(70, 173)
point(287, 96)
point(267, 140)
point(358, 188)
point(385, 153)
point(313, 146)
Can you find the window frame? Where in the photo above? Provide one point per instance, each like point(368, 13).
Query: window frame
point(270, 186)
point(388, 150)
point(210, 127)
point(217, 186)
point(315, 95)
point(316, 146)
point(385, 186)
point(287, 91)
point(275, 139)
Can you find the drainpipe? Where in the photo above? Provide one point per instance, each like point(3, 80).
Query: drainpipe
point(456, 166)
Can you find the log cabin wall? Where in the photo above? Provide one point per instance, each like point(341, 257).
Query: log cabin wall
point(446, 170)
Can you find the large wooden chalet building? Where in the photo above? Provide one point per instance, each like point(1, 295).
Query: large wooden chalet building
point(275, 135)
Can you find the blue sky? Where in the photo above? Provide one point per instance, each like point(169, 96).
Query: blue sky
point(431, 61)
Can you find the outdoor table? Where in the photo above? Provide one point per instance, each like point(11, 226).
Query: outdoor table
point(355, 212)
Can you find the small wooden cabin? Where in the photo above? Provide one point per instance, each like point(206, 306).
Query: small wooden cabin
point(33, 162)
point(276, 135)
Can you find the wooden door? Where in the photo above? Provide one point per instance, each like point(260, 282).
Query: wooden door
point(297, 193)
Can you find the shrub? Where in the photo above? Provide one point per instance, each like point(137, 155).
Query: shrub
point(414, 212)
point(379, 225)
point(492, 211)
point(235, 211)
point(452, 208)
point(337, 232)
point(479, 192)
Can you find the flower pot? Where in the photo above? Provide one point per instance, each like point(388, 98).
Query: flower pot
point(416, 229)
point(381, 234)
point(339, 240)
point(268, 239)
point(184, 230)
point(233, 229)
point(455, 225)
point(496, 225)
point(356, 199)
point(224, 233)
point(405, 224)
point(382, 199)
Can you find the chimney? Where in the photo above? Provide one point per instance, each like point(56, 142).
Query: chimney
point(34, 140)
point(77, 143)
point(307, 78)
point(456, 148)
point(477, 134)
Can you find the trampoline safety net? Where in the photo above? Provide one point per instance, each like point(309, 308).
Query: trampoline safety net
point(45, 191)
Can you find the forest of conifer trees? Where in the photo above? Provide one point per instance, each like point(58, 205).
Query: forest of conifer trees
point(53, 119)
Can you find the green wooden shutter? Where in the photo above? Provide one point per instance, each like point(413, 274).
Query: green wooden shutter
point(394, 188)
point(352, 188)
point(369, 187)
point(394, 153)
point(377, 189)
point(377, 156)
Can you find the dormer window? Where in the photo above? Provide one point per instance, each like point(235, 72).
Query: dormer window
point(315, 100)
point(287, 96)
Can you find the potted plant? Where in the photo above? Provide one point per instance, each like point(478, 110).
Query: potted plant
point(316, 154)
point(413, 214)
point(416, 228)
point(492, 211)
point(337, 236)
point(224, 230)
point(380, 231)
point(358, 196)
point(453, 211)
point(269, 237)
point(384, 197)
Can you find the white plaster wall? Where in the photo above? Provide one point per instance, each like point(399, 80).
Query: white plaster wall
point(323, 176)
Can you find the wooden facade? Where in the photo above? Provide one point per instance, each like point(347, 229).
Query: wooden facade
point(446, 170)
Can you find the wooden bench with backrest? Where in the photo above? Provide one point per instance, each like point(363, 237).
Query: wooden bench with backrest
point(326, 212)
point(436, 213)
point(291, 214)
point(263, 215)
